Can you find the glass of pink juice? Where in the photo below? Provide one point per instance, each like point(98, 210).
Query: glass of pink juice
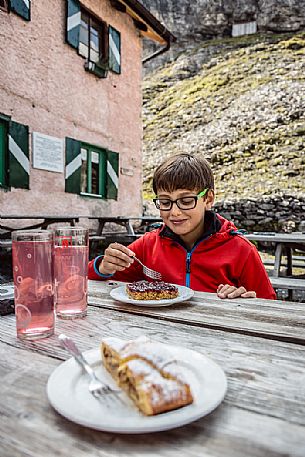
point(71, 255)
point(33, 283)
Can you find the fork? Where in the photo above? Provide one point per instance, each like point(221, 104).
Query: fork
point(100, 390)
point(148, 271)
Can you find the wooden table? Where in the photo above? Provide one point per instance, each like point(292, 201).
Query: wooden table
point(134, 227)
point(44, 221)
point(283, 242)
point(125, 221)
point(260, 344)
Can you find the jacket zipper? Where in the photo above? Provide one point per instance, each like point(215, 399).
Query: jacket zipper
point(188, 262)
point(188, 269)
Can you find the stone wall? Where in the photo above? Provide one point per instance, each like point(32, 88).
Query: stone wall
point(280, 213)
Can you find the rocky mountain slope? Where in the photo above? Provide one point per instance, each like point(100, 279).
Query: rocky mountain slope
point(192, 22)
point(199, 19)
point(241, 103)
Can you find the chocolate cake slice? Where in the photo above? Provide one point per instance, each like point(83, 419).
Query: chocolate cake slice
point(156, 290)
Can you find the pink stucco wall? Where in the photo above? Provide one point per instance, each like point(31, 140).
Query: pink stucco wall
point(43, 84)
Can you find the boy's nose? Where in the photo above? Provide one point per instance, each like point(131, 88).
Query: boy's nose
point(175, 209)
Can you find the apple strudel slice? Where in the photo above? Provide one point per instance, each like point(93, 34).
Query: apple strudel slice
point(150, 391)
point(148, 373)
point(110, 349)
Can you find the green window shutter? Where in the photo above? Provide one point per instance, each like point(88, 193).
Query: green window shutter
point(103, 173)
point(18, 147)
point(112, 174)
point(22, 8)
point(73, 14)
point(114, 50)
point(3, 164)
point(73, 166)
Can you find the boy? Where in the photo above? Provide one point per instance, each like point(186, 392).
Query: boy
point(195, 247)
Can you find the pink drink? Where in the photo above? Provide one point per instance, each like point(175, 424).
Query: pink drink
point(34, 291)
point(71, 279)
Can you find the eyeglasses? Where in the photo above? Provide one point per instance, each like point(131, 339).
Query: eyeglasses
point(165, 204)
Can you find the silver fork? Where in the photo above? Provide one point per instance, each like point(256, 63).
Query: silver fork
point(148, 271)
point(97, 388)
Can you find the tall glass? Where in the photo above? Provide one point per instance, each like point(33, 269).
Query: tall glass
point(33, 283)
point(71, 255)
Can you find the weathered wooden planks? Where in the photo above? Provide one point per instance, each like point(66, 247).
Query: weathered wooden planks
point(272, 319)
point(288, 283)
point(256, 371)
point(263, 413)
point(29, 427)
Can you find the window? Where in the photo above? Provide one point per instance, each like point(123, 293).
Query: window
point(99, 44)
point(91, 170)
point(14, 154)
point(93, 176)
point(92, 41)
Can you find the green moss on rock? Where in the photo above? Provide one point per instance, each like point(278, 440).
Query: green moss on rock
point(243, 109)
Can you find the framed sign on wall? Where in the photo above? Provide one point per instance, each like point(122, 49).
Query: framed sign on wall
point(48, 152)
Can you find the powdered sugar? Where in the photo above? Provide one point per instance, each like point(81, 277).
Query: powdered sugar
point(158, 354)
point(115, 343)
point(154, 384)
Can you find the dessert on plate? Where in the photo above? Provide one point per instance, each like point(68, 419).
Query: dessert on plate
point(155, 290)
point(149, 374)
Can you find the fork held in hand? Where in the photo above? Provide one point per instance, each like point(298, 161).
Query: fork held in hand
point(97, 388)
point(148, 271)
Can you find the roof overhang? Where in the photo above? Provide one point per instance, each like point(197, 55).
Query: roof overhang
point(146, 22)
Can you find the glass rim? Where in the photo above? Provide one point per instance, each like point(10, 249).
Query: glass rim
point(71, 229)
point(71, 236)
point(32, 235)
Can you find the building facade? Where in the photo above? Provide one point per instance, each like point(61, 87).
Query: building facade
point(70, 106)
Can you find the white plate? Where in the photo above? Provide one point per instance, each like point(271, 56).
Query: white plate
point(68, 393)
point(120, 294)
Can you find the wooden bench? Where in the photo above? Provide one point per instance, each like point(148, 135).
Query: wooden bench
point(96, 237)
point(283, 282)
point(299, 258)
point(297, 262)
point(6, 243)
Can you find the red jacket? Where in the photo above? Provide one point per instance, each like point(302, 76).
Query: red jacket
point(224, 257)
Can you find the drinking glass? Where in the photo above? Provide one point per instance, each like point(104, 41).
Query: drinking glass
point(71, 255)
point(33, 283)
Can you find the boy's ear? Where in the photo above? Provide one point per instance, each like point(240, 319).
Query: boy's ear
point(210, 199)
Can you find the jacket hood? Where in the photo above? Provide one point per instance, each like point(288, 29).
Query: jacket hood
point(226, 226)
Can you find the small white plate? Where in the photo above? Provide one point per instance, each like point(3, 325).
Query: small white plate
point(68, 393)
point(120, 294)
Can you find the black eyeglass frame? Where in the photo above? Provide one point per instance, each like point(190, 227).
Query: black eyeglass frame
point(194, 197)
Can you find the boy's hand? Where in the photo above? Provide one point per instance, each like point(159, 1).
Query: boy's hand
point(116, 258)
point(227, 291)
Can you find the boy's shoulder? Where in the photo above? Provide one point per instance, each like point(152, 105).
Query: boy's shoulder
point(240, 235)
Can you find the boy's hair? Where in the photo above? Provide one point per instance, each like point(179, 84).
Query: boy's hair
point(183, 171)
